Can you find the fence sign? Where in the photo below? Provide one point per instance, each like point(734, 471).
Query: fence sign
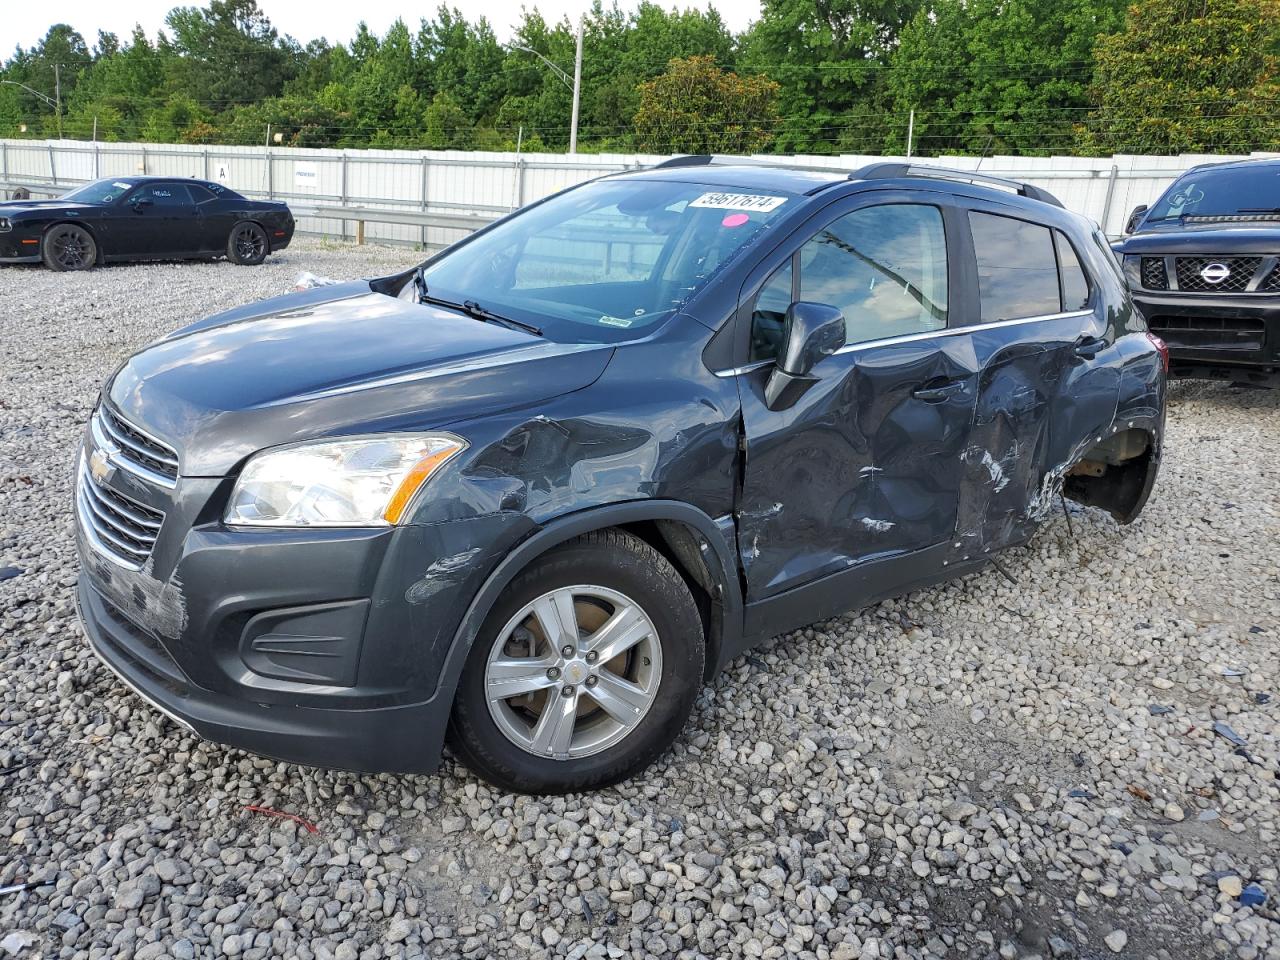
point(306, 176)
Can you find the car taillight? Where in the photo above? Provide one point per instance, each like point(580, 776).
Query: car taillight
point(1161, 346)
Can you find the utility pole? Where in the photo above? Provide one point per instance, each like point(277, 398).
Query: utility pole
point(57, 93)
point(911, 129)
point(577, 90)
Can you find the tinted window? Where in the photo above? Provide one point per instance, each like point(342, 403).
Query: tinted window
point(200, 194)
point(1075, 282)
point(1017, 268)
point(165, 194)
point(884, 267)
point(770, 314)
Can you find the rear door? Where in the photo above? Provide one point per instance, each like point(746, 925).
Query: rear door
point(864, 467)
point(1042, 390)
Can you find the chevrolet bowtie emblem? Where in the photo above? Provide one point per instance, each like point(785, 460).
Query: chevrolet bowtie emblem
point(100, 465)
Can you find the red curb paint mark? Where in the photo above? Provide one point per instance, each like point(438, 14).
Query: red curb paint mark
point(310, 827)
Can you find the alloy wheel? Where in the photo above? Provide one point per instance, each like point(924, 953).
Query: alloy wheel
point(573, 672)
point(249, 243)
point(70, 249)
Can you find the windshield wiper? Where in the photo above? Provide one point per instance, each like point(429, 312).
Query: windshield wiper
point(477, 312)
point(1259, 210)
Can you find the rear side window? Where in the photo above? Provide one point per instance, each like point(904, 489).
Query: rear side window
point(1017, 268)
point(200, 194)
point(1075, 282)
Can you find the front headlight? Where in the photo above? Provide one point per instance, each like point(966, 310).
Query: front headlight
point(344, 483)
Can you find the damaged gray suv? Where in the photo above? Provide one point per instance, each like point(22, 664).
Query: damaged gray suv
point(528, 497)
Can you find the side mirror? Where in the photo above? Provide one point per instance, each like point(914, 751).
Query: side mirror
point(812, 331)
point(1134, 217)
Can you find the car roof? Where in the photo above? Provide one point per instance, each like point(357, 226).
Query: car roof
point(1235, 164)
point(747, 176)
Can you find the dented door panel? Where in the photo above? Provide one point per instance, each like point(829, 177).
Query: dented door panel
point(860, 469)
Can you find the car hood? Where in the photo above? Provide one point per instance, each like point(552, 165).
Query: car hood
point(335, 361)
point(1239, 238)
point(16, 208)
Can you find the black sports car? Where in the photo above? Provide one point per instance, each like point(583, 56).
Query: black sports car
point(142, 218)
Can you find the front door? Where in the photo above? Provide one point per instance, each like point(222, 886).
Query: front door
point(865, 466)
point(159, 220)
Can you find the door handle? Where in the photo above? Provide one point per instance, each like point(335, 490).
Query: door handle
point(1088, 347)
point(936, 392)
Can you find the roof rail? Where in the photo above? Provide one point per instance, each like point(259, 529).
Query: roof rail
point(706, 160)
point(689, 160)
point(895, 170)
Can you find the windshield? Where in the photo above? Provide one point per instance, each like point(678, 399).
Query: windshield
point(606, 260)
point(100, 191)
point(1221, 193)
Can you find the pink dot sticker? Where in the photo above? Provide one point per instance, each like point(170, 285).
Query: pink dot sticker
point(734, 220)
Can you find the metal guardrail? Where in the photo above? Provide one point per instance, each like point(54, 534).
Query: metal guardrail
point(412, 218)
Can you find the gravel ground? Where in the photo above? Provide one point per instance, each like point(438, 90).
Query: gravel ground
point(974, 771)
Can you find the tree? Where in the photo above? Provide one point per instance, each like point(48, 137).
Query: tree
point(228, 53)
point(1188, 76)
point(996, 76)
point(828, 60)
point(695, 107)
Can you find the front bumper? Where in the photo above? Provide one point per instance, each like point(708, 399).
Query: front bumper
point(387, 739)
point(1217, 337)
point(318, 647)
point(19, 246)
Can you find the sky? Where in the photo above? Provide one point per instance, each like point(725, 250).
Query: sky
point(23, 24)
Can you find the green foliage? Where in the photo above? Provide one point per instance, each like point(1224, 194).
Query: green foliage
point(997, 76)
point(695, 107)
point(982, 76)
point(1188, 77)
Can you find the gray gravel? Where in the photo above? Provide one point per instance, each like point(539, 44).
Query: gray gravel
point(974, 771)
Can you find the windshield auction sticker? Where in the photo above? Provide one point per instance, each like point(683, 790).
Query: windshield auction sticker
point(738, 201)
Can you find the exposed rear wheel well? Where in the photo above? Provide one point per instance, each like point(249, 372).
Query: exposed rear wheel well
point(1115, 475)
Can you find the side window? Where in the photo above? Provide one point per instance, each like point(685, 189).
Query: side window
point(200, 194)
point(770, 314)
point(1017, 268)
point(1075, 282)
point(884, 267)
point(166, 194)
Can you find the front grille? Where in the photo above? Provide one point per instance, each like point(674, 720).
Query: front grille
point(158, 461)
point(1271, 283)
point(1154, 275)
point(120, 527)
point(1209, 333)
point(1241, 274)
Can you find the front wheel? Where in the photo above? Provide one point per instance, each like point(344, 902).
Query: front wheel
point(68, 247)
point(247, 244)
point(585, 671)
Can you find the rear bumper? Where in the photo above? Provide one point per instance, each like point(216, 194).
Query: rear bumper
point(1233, 338)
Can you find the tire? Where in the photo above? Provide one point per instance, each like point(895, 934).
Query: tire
point(66, 246)
point(612, 578)
point(247, 244)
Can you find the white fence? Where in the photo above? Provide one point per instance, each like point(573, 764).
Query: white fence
point(1105, 189)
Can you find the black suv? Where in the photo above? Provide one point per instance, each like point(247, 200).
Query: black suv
point(1204, 266)
point(535, 492)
